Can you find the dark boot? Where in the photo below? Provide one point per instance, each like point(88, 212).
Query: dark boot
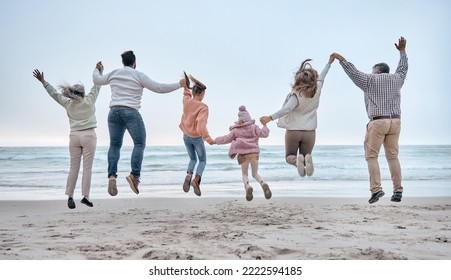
point(187, 182)
point(195, 183)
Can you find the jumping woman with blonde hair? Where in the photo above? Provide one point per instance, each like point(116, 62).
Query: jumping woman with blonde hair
point(298, 116)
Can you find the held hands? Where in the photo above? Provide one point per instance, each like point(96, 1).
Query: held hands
point(401, 46)
point(99, 66)
point(331, 59)
point(336, 56)
point(265, 119)
point(182, 83)
point(38, 75)
point(187, 82)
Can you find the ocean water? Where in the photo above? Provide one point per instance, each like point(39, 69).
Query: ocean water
point(34, 173)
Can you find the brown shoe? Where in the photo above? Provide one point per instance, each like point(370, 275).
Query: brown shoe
point(196, 185)
point(266, 190)
point(187, 182)
point(249, 190)
point(112, 188)
point(133, 182)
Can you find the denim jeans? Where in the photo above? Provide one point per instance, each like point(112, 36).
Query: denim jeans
point(383, 132)
point(196, 149)
point(120, 120)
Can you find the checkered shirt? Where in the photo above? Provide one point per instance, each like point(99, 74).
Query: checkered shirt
point(382, 91)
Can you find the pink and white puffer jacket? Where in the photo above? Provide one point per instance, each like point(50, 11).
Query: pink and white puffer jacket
point(244, 138)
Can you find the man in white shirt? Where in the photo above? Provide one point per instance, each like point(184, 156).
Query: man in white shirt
point(127, 86)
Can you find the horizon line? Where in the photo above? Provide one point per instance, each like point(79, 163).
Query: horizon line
point(173, 145)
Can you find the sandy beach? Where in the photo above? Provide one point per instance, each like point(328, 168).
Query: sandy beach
point(227, 229)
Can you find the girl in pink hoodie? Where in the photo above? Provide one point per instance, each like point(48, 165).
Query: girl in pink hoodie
point(195, 132)
point(244, 135)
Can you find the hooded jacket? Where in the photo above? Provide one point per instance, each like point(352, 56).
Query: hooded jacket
point(194, 118)
point(244, 138)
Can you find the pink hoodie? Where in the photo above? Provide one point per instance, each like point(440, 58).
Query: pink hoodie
point(244, 138)
point(195, 117)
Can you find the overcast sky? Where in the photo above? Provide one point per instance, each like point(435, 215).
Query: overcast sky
point(244, 51)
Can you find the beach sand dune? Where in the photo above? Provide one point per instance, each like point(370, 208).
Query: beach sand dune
point(227, 228)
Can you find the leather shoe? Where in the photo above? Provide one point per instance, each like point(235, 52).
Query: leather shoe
point(396, 197)
point(71, 203)
point(86, 202)
point(375, 197)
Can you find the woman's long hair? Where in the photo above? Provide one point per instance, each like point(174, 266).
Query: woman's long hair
point(305, 80)
point(75, 92)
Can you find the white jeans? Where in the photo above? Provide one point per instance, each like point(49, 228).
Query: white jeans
point(81, 144)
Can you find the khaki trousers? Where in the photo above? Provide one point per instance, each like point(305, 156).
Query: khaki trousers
point(383, 132)
point(81, 144)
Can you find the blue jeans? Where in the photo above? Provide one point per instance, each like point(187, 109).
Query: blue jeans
point(120, 120)
point(196, 149)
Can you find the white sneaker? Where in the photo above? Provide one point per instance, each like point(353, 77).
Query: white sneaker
point(309, 165)
point(300, 165)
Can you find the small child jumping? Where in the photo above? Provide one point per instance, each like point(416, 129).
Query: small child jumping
point(194, 127)
point(244, 136)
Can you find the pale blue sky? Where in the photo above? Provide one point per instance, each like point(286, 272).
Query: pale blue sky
point(244, 51)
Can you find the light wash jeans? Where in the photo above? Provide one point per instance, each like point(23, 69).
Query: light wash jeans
point(196, 149)
point(120, 120)
point(82, 143)
point(383, 132)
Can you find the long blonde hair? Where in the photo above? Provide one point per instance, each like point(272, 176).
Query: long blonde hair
point(305, 80)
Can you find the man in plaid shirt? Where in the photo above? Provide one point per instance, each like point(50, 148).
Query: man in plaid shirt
point(382, 101)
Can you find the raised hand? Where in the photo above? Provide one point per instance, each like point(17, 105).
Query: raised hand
point(38, 75)
point(331, 59)
point(99, 66)
point(337, 56)
point(401, 46)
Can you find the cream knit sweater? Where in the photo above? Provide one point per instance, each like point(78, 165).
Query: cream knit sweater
point(81, 113)
point(301, 111)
